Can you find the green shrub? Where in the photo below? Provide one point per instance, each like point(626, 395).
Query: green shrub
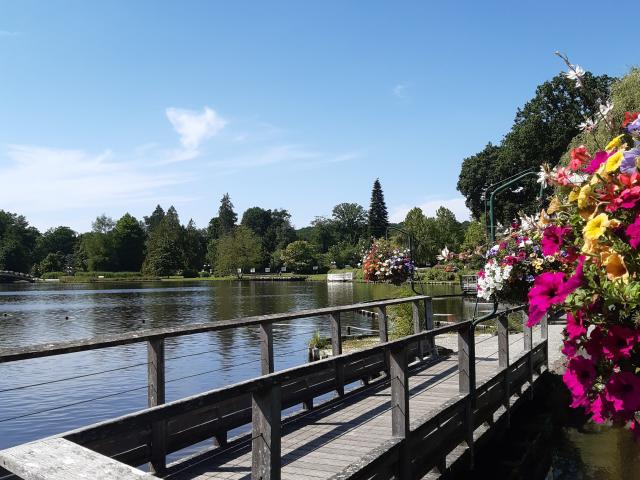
point(436, 275)
point(49, 275)
point(318, 341)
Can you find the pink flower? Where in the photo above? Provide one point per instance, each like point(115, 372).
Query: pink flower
point(546, 291)
point(575, 326)
point(562, 176)
point(552, 238)
point(580, 375)
point(593, 344)
point(600, 409)
point(569, 349)
point(598, 159)
point(633, 232)
point(627, 199)
point(623, 391)
point(619, 342)
point(576, 279)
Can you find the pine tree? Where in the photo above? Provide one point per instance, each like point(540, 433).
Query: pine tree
point(378, 216)
point(226, 216)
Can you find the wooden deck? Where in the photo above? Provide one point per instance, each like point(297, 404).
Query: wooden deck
point(326, 441)
point(399, 409)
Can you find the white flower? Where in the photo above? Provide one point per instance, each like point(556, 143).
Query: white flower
point(543, 176)
point(606, 109)
point(588, 125)
point(575, 73)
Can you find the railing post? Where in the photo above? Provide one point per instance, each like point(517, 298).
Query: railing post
point(383, 327)
point(266, 348)
point(428, 323)
point(503, 361)
point(265, 437)
point(417, 327)
point(156, 396)
point(336, 349)
point(544, 333)
point(528, 346)
point(467, 381)
point(399, 379)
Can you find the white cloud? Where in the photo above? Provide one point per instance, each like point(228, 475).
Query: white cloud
point(195, 127)
point(429, 207)
point(400, 90)
point(38, 180)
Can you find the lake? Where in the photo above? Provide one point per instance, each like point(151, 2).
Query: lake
point(45, 396)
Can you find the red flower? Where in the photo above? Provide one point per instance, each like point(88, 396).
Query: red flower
point(579, 156)
point(552, 238)
point(627, 199)
point(575, 326)
point(623, 391)
point(629, 117)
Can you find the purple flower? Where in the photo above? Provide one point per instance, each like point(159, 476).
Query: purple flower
point(634, 127)
point(628, 164)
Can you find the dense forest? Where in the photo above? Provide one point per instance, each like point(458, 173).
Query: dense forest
point(160, 244)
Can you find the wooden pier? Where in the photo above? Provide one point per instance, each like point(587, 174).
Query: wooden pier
point(394, 410)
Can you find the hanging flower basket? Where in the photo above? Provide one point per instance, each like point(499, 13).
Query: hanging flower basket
point(385, 263)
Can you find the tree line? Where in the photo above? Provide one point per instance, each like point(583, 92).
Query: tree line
point(160, 244)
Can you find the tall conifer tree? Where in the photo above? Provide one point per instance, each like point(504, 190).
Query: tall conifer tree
point(378, 216)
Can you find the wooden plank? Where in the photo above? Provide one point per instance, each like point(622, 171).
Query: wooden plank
point(266, 348)
point(383, 325)
point(156, 396)
point(399, 380)
point(265, 436)
point(417, 327)
point(106, 341)
point(60, 459)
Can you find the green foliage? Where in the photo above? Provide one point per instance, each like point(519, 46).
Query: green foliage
point(436, 275)
point(17, 242)
point(53, 262)
point(299, 256)
point(164, 247)
point(194, 247)
point(317, 341)
point(350, 220)
point(240, 248)
point(343, 254)
point(378, 216)
point(541, 132)
point(153, 220)
point(128, 243)
point(52, 275)
point(400, 317)
point(226, 216)
point(60, 240)
point(475, 237)
point(431, 234)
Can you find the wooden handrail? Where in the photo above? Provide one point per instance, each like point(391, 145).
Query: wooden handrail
point(106, 341)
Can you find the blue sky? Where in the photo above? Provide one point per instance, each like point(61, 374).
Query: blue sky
point(117, 106)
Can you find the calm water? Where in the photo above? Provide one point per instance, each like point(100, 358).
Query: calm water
point(31, 406)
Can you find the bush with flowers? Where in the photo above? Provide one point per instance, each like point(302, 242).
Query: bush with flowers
point(595, 216)
point(384, 262)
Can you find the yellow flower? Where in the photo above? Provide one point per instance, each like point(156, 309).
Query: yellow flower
point(583, 196)
point(573, 196)
point(614, 265)
point(591, 247)
point(596, 227)
point(544, 219)
point(614, 161)
point(554, 205)
point(615, 143)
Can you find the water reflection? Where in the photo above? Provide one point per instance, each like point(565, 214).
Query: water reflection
point(48, 313)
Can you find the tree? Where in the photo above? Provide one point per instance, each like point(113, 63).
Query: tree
point(164, 247)
point(240, 248)
point(128, 241)
point(194, 246)
point(299, 256)
point(226, 216)
point(17, 242)
point(378, 216)
point(153, 220)
point(350, 220)
point(60, 240)
point(324, 233)
point(541, 133)
point(257, 219)
point(475, 236)
point(98, 252)
point(448, 230)
point(52, 262)
point(343, 254)
point(103, 224)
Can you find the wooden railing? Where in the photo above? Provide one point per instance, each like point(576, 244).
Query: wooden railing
point(215, 413)
point(148, 436)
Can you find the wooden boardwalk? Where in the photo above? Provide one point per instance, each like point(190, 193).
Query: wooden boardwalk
point(324, 442)
point(400, 409)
